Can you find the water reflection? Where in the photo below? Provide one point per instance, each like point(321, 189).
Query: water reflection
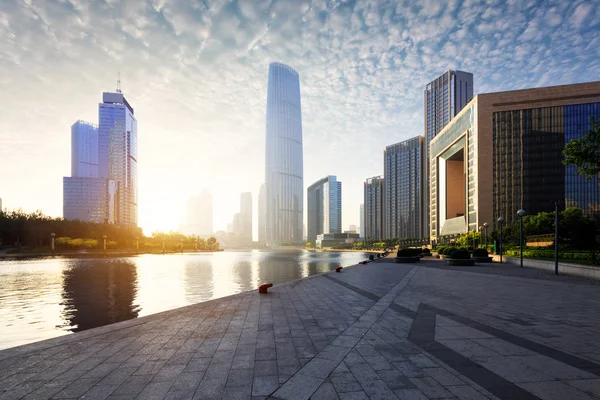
point(44, 298)
point(99, 293)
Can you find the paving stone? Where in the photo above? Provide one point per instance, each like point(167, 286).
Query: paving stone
point(99, 392)
point(431, 388)
point(187, 382)
point(298, 387)
point(325, 392)
point(410, 394)
point(590, 386)
point(264, 385)
point(376, 389)
point(360, 395)
point(395, 380)
point(344, 382)
point(443, 376)
point(466, 392)
point(555, 391)
point(240, 377)
point(210, 388)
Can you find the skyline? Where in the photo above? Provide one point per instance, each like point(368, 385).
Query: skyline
point(200, 90)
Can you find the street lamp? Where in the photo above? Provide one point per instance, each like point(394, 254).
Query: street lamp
point(501, 222)
point(485, 226)
point(521, 213)
point(480, 229)
point(181, 240)
point(104, 237)
point(52, 235)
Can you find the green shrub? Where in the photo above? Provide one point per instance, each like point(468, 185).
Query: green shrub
point(480, 253)
point(425, 250)
point(549, 254)
point(460, 254)
point(440, 249)
point(448, 250)
point(405, 253)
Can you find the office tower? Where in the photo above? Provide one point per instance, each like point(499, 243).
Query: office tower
point(324, 205)
point(362, 221)
point(84, 150)
point(503, 152)
point(246, 215)
point(374, 201)
point(199, 214)
point(403, 164)
point(89, 199)
point(262, 214)
point(117, 153)
point(283, 151)
point(444, 97)
point(351, 228)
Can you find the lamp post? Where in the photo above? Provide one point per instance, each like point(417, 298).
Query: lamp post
point(501, 222)
point(521, 213)
point(52, 235)
point(137, 244)
point(104, 237)
point(181, 240)
point(485, 225)
point(480, 229)
point(556, 203)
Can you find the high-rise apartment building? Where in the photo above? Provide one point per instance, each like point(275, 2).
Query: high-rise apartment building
point(324, 205)
point(503, 152)
point(283, 153)
point(84, 150)
point(199, 214)
point(362, 221)
point(117, 153)
point(262, 214)
point(403, 163)
point(374, 204)
point(246, 215)
point(444, 97)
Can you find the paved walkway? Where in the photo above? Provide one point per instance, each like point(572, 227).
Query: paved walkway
point(375, 331)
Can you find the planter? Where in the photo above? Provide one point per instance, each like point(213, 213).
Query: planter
point(437, 256)
point(405, 260)
point(458, 262)
point(442, 256)
point(425, 255)
point(482, 259)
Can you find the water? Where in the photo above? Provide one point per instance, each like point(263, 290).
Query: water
point(45, 298)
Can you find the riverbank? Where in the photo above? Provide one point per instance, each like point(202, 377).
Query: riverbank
point(95, 254)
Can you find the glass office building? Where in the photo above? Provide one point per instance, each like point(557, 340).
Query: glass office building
point(283, 153)
point(89, 199)
point(374, 206)
point(403, 169)
point(324, 198)
point(84, 150)
point(117, 153)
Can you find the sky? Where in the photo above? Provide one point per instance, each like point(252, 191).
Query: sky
point(196, 74)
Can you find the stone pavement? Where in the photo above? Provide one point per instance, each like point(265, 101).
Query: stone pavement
point(375, 331)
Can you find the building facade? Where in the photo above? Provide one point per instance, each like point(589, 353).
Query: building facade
point(246, 215)
point(84, 150)
point(444, 97)
point(89, 199)
point(344, 240)
point(284, 157)
point(503, 152)
point(361, 228)
point(374, 202)
point(199, 215)
point(117, 153)
point(262, 214)
point(324, 206)
point(403, 163)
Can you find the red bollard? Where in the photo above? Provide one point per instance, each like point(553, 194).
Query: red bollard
point(339, 269)
point(263, 288)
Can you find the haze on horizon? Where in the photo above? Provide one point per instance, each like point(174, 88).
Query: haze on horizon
point(196, 75)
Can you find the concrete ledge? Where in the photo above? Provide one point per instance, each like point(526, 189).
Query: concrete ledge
point(586, 271)
point(405, 260)
point(460, 262)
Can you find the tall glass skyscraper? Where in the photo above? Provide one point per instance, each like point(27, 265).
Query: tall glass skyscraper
point(374, 205)
point(283, 153)
point(117, 153)
point(324, 199)
point(84, 150)
point(403, 164)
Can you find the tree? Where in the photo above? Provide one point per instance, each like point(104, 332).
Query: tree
point(584, 153)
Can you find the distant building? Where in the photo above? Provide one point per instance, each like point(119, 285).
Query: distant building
point(246, 215)
point(444, 97)
point(262, 214)
point(324, 199)
point(1, 205)
point(89, 199)
point(362, 221)
point(352, 228)
point(403, 173)
point(117, 153)
point(374, 201)
point(84, 150)
point(199, 214)
point(337, 240)
point(503, 152)
point(283, 152)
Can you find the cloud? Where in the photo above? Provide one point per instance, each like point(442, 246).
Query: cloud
point(196, 74)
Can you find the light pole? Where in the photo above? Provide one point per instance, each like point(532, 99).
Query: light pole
point(521, 213)
point(480, 229)
point(104, 237)
point(485, 225)
point(137, 244)
point(52, 235)
point(501, 222)
point(556, 203)
point(181, 240)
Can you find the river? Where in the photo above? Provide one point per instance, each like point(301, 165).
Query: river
point(49, 297)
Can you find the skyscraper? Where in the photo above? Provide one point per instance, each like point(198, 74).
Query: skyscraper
point(246, 215)
point(324, 198)
point(283, 151)
point(403, 164)
point(262, 214)
point(199, 214)
point(117, 153)
point(444, 97)
point(374, 198)
point(84, 150)
point(362, 221)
